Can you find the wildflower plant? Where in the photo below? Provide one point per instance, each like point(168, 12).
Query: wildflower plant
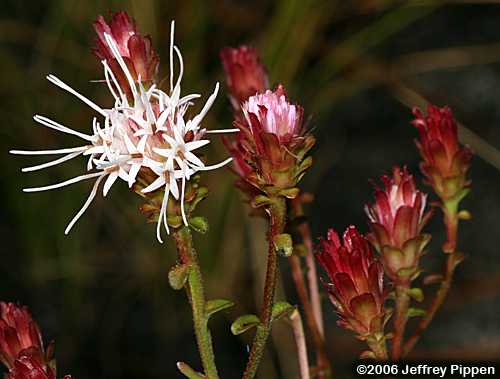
point(150, 139)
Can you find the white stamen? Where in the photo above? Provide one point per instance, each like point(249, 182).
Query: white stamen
point(52, 163)
point(63, 184)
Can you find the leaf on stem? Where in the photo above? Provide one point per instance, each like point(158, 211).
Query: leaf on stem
point(216, 305)
point(244, 323)
point(283, 244)
point(199, 224)
point(177, 276)
point(281, 309)
point(416, 294)
point(416, 312)
point(189, 372)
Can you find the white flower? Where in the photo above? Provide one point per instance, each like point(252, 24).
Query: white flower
point(148, 131)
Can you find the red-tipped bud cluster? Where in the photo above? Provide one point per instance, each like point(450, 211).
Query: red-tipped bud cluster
point(245, 74)
point(31, 367)
point(396, 219)
point(136, 50)
point(445, 161)
point(270, 151)
point(356, 287)
point(18, 333)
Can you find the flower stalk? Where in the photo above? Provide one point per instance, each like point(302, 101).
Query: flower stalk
point(400, 318)
point(196, 295)
point(277, 219)
point(453, 260)
point(310, 301)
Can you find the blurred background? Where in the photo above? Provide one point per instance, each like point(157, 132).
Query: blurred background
point(356, 66)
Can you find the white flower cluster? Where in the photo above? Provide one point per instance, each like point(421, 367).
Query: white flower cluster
point(152, 133)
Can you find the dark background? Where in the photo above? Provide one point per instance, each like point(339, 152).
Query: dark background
point(102, 292)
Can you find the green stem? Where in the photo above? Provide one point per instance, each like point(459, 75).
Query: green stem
point(400, 319)
point(277, 215)
point(196, 296)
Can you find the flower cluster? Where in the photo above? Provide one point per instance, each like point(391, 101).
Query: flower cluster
point(270, 152)
point(445, 161)
point(396, 219)
point(245, 74)
point(146, 138)
point(356, 287)
point(21, 345)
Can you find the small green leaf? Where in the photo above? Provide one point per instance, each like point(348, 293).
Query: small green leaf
point(188, 371)
point(199, 224)
point(416, 294)
point(174, 221)
point(406, 272)
point(290, 193)
point(416, 312)
point(281, 309)
point(283, 244)
point(464, 215)
point(177, 276)
point(244, 323)
point(217, 305)
point(260, 200)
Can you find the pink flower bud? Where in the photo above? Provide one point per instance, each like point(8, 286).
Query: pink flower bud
point(245, 74)
point(445, 161)
point(136, 51)
point(269, 153)
point(356, 276)
point(398, 212)
point(18, 332)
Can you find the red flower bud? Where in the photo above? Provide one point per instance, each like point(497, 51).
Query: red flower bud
point(398, 212)
point(270, 151)
point(356, 287)
point(31, 367)
point(136, 50)
point(18, 332)
point(445, 161)
point(245, 74)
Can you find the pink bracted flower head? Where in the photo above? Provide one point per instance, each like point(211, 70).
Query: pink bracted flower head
point(445, 161)
point(356, 287)
point(18, 333)
point(136, 50)
point(270, 152)
point(245, 74)
point(398, 214)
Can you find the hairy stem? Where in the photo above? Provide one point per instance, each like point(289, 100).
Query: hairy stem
point(451, 223)
point(300, 341)
point(277, 216)
point(196, 296)
point(400, 319)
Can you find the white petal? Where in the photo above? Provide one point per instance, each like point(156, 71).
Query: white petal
point(109, 182)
